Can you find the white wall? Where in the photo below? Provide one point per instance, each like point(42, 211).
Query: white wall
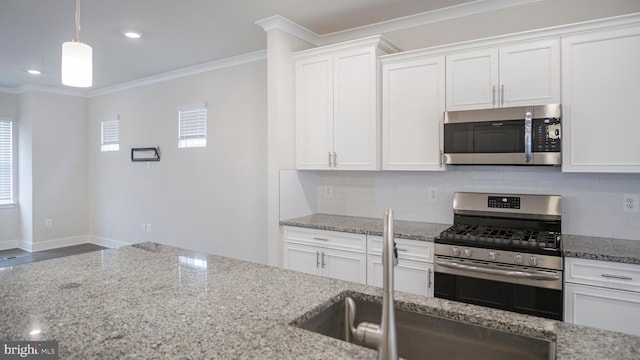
point(210, 199)
point(52, 170)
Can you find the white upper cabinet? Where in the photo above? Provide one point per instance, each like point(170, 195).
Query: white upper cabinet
point(601, 91)
point(412, 112)
point(521, 74)
point(314, 112)
point(338, 105)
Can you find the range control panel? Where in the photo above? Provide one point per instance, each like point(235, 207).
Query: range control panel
point(504, 202)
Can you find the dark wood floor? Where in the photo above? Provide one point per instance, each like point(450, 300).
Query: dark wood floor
point(13, 257)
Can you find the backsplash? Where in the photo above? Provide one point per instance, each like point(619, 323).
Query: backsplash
point(591, 203)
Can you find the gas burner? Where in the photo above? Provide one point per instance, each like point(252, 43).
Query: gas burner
point(516, 238)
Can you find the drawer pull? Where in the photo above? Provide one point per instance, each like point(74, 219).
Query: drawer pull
point(401, 249)
point(320, 239)
point(619, 277)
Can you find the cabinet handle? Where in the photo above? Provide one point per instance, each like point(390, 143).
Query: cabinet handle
point(323, 259)
point(429, 279)
point(502, 94)
point(335, 160)
point(401, 249)
point(319, 238)
point(317, 258)
point(619, 277)
point(493, 95)
point(329, 158)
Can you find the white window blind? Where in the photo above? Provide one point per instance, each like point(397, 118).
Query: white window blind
point(110, 135)
point(192, 126)
point(6, 162)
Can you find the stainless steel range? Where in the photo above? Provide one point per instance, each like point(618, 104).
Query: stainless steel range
point(503, 251)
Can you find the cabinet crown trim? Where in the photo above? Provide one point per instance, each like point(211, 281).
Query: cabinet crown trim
point(514, 38)
point(376, 40)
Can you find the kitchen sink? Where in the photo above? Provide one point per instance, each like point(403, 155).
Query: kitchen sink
point(422, 336)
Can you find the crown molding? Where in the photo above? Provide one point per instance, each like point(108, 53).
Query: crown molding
point(425, 18)
point(282, 23)
point(536, 34)
point(192, 70)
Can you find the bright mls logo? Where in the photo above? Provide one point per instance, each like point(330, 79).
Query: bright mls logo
point(29, 350)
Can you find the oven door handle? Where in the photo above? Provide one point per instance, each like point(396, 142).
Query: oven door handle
point(535, 275)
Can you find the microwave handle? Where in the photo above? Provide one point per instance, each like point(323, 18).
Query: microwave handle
point(527, 136)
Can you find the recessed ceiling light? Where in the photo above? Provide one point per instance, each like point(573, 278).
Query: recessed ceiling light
point(33, 72)
point(132, 34)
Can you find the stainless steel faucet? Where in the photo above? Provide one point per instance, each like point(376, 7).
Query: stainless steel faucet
point(382, 336)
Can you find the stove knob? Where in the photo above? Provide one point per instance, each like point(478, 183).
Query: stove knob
point(455, 251)
point(533, 261)
point(467, 252)
point(493, 255)
point(518, 259)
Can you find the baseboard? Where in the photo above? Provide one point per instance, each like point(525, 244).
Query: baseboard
point(9, 244)
point(54, 243)
point(106, 242)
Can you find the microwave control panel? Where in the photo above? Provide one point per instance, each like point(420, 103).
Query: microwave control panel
point(547, 135)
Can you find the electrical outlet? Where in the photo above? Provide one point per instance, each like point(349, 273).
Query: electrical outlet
point(630, 203)
point(148, 227)
point(48, 223)
point(328, 190)
point(433, 194)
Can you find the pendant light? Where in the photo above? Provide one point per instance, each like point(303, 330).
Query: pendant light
point(77, 59)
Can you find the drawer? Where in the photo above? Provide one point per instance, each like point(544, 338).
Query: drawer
point(603, 273)
point(407, 248)
point(324, 238)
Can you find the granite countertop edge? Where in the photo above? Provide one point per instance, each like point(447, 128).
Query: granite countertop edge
point(575, 246)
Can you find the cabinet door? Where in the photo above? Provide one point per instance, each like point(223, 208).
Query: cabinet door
point(302, 258)
point(314, 112)
point(356, 119)
point(600, 92)
point(344, 265)
point(410, 276)
point(603, 308)
point(413, 105)
point(530, 74)
point(472, 80)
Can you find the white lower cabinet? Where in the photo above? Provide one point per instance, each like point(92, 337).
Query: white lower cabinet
point(332, 254)
point(603, 294)
point(414, 273)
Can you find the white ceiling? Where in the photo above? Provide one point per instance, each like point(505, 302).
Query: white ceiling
point(176, 34)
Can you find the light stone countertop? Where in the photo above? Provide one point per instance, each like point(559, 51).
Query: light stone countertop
point(370, 226)
point(598, 248)
point(578, 246)
point(153, 301)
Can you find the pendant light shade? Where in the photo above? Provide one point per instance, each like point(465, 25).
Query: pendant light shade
point(77, 59)
point(77, 64)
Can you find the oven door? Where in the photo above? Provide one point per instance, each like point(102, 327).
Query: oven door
point(518, 289)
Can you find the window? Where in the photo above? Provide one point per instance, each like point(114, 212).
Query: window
point(110, 135)
point(192, 126)
point(6, 162)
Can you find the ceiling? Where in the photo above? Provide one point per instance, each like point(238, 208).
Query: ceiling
point(176, 34)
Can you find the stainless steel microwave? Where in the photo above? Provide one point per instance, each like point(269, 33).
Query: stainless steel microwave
point(526, 135)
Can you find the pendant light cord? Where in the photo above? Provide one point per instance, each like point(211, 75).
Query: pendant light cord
point(78, 20)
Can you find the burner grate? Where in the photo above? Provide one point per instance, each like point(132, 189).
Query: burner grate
point(503, 236)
